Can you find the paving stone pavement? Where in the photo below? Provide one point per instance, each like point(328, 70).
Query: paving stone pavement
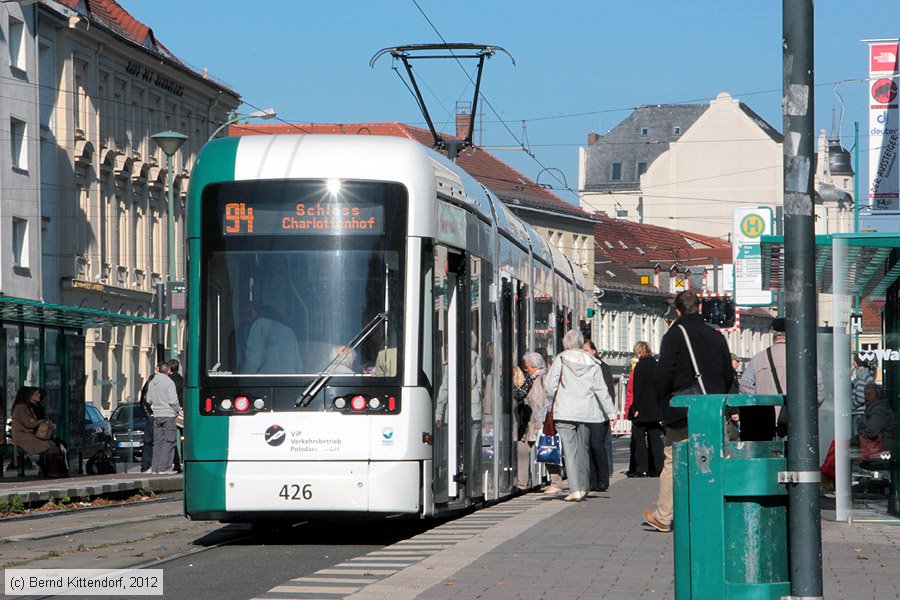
point(536, 547)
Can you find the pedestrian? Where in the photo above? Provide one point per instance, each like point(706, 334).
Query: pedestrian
point(536, 400)
point(766, 373)
point(147, 446)
point(646, 416)
point(601, 457)
point(178, 380)
point(861, 377)
point(163, 399)
point(629, 400)
point(579, 394)
point(693, 359)
point(32, 432)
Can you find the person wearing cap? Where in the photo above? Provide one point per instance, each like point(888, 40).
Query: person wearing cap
point(767, 374)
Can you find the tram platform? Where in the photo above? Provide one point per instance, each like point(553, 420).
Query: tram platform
point(536, 546)
point(32, 490)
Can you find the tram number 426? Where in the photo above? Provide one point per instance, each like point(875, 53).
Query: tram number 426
point(296, 492)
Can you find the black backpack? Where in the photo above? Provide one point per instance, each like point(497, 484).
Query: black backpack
point(143, 400)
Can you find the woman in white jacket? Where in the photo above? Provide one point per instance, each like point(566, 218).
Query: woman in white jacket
point(581, 397)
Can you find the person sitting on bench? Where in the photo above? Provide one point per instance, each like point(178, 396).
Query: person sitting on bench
point(33, 433)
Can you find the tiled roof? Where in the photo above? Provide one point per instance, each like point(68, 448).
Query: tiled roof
point(612, 275)
point(641, 244)
point(508, 184)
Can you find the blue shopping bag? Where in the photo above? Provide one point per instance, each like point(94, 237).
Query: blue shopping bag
point(548, 450)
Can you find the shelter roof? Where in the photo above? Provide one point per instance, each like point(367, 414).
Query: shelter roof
point(34, 312)
point(867, 270)
point(507, 183)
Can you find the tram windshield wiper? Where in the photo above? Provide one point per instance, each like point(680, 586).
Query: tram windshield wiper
point(322, 378)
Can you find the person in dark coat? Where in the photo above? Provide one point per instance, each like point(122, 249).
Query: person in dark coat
point(26, 417)
point(645, 415)
point(600, 451)
point(675, 375)
point(178, 380)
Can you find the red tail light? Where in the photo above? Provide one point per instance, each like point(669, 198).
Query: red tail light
point(358, 403)
point(241, 404)
point(209, 405)
point(392, 403)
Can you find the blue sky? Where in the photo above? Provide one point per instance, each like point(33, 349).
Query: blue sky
point(580, 66)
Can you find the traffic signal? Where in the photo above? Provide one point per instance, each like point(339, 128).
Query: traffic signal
point(718, 312)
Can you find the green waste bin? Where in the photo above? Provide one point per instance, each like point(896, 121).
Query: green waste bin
point(730, 522)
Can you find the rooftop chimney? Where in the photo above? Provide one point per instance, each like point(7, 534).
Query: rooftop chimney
point(462, 124)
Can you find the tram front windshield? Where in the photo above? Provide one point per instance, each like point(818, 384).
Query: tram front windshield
point(303, 276)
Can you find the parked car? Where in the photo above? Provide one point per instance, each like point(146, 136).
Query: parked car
point(128, 423)
point(97, 442)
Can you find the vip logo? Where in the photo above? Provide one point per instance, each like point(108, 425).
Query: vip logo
point(275, 435)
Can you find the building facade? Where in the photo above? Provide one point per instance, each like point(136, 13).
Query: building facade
point(684, 167)
point(83, 209)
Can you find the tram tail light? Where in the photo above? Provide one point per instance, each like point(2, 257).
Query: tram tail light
point(358, 403)
point(208, 405)
point(241, 404)
point(392, 403)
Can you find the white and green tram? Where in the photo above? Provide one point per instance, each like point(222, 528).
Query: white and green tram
point(356, 305)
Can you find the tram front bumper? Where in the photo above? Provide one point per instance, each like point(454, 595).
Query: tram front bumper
point(332, 486)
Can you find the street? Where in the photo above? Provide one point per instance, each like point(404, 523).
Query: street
point(238, 563)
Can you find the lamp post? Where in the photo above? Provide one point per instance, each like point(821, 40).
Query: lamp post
point(169, 142)
point(264, 114)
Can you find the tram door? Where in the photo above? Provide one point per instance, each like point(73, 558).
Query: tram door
point(513, 333)
point(451, 415)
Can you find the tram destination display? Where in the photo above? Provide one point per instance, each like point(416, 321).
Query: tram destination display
point(302, 218)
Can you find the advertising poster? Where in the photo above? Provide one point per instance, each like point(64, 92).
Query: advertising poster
point(884, 122)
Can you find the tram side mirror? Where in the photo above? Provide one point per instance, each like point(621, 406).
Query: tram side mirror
point(718, 312)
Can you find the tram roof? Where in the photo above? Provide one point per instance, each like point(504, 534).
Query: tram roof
point(35, 312)
point(867, 273)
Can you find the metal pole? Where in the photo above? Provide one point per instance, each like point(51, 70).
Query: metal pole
point(856, 177)
point(173, 320)
point(800, 252)
point(160, 331)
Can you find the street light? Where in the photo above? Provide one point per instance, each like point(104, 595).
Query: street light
point(169, 142)
point(264, 114)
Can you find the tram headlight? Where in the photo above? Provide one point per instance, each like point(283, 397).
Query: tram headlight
point(358, 403)
point(226, 404)
point(340, 403)
point(374, 403)
point(241, 403)
point(259, 404)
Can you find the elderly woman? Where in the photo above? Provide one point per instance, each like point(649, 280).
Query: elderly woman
point(536, 400)
point(878, 420)
point(27, 416)
point(575, 383)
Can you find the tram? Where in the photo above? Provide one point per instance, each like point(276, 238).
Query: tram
point(356, 305)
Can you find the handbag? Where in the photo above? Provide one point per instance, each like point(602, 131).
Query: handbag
point(869, 448)
point(44, 431)
point(549, 423)
point(548, 450)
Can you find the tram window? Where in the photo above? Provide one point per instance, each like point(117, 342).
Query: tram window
point(292, 313)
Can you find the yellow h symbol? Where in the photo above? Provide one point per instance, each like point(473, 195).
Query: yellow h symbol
point(752, 226)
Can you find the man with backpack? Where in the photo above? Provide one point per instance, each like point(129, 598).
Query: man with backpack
point(693, 359)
